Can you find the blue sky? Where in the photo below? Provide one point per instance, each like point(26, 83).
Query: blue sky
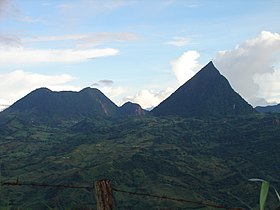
point(138, 50)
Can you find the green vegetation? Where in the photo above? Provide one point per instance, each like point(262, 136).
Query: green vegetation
point(209, 160)
point(264, 192)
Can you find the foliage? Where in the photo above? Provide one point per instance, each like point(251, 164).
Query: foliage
point(197, 159)
point(264, 192)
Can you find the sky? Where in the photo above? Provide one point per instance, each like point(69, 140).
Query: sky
point(138, 50)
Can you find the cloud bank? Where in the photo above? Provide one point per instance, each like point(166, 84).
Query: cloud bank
point(86, 40)
point(84, 47)
point(253, 68)
point(19, 83)
point(26, 56)
point(149, 99)
point(186, 66)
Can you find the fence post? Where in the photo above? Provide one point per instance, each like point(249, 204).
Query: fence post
point(104, 195)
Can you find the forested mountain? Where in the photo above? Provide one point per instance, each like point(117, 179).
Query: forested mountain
point(89, 102)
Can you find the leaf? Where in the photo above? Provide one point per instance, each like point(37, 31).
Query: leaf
point(256, 180)
point(277, 194)
point(263, 194)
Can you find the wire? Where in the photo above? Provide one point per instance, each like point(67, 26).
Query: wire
point(17, 183)
point(175, 199)
point(163, 197)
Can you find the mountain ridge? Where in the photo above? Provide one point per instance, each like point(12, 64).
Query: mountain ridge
point(270, 108)
point(89, 102)
point(206, 94)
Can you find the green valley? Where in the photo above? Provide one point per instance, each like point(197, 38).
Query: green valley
point(198, 159)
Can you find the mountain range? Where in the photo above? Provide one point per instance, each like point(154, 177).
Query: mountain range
point(207, 94)
point(89, 102)
point(202, 143)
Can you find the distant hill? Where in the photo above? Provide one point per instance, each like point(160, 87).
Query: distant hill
point(272, 109)
point(89, 102)
point(132, 109)
point(206, 94)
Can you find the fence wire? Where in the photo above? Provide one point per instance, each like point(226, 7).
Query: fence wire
point(200, 204)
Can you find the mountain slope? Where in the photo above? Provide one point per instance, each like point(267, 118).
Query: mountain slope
point(193, 159)
point(206, 94)
point(44, 102)
point(272, 109)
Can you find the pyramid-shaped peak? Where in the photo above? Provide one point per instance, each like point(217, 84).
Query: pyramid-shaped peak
point(210, 64)
point(210, 67)
point(208, 70)
point(208, 93)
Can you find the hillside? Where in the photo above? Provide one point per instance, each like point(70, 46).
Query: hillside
point(197, 159)
point(207, 94)
point(266, 109)
point(131, 109)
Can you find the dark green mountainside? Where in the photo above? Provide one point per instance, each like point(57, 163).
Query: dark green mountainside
point(194, 159)
point(44, 102)
point(89, 102)
point(271, 109)
point(208, 93)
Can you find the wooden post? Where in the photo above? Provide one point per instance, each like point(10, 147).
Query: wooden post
point(104, 195)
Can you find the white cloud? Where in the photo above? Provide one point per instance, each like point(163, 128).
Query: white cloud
point(149, 98)
point(179, 41)
point(186, 66)
point(54, 38)
point(269, 86)
point(19, 83)
point(86, 40)
point(249, 67)
point(91, 40)
point(15, 50)
point(112, 92)
point(104, 82)
point(109, 88)
point(23, 55)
